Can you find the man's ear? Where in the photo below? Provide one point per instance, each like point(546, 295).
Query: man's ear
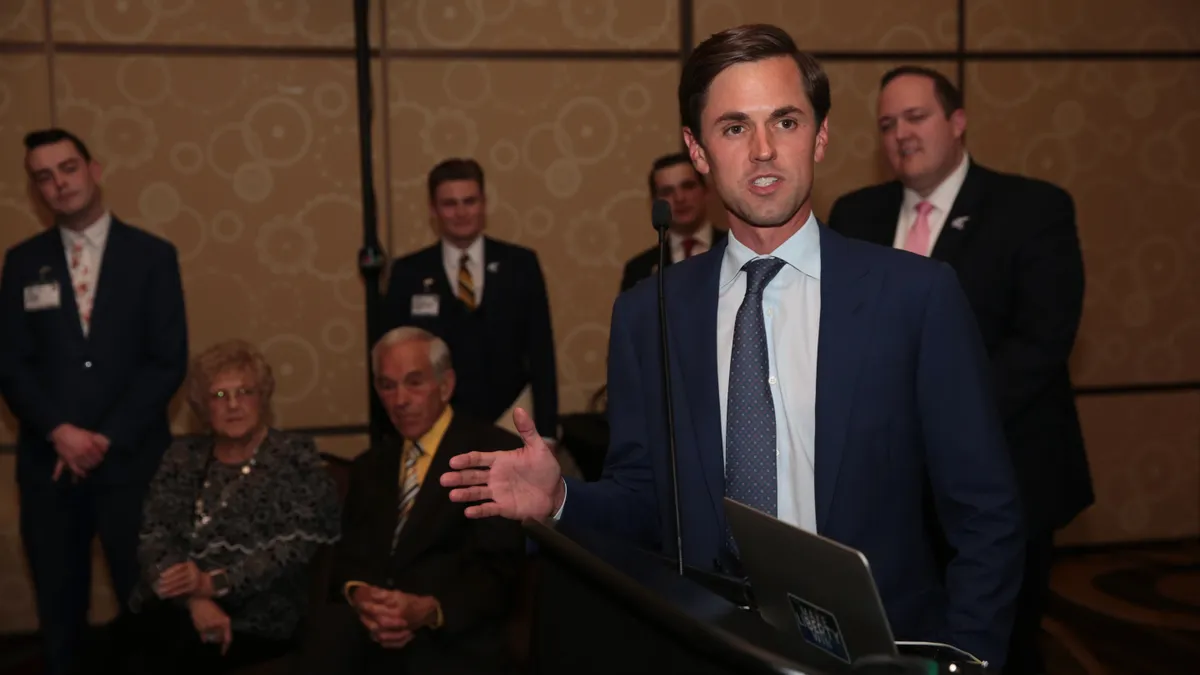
point(822, 141)
point(958, 123)
point(696, 152)
point(446, 386)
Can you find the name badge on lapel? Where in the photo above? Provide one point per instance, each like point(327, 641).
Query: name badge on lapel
point(425, 304)
point(42, 296)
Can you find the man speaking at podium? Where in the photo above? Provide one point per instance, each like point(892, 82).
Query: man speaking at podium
point(825, 381)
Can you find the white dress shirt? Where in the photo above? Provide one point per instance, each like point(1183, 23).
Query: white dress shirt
point(451, 257)
point(792, 316)
point(942, 199)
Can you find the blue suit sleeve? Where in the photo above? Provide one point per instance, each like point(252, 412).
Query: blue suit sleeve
point(623, 502)
point(974, 485)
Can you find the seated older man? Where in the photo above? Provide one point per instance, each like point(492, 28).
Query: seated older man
point(426, 590)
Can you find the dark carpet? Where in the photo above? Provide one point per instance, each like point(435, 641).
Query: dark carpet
point(1129, 611)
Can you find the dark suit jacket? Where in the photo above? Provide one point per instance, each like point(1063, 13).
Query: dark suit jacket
point(645, 264)
point(119, 379)
point(1018, 259)
point(502, 346)
point(901, 398)
point(470, 566)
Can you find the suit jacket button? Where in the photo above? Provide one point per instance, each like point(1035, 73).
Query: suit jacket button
point(87, 364)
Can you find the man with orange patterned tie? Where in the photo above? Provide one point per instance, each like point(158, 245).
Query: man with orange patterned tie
point(674, 179)
point(1012, 241)
point(93, 345)
point(486, 298)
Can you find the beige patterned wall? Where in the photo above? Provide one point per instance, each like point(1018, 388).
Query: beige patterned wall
point(230, 127)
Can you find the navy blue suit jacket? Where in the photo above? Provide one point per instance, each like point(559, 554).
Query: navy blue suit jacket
point(903, 402)
point(507, 342)
point(119, 379)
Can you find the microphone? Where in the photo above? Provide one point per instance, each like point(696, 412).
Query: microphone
point(660, 217)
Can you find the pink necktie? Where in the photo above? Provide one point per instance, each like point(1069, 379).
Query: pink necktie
point(918, 237)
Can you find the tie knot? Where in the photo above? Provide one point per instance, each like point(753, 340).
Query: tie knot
point(923, 208)
point(462, 262)
point(759, 273)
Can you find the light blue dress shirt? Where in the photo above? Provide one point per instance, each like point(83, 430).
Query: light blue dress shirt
point(792, 316)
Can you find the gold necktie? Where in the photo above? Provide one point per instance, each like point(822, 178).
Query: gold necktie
point(466, 287)
point(409, 488)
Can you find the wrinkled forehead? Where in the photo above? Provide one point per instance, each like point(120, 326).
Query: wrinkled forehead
point(231, 378)
point(52, 155)
point(405, 359)
point(907, 92)
point(676, 175)
point(757, 89)
point(457, 190)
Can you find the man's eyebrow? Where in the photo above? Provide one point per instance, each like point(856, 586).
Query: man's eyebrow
point(736, 116)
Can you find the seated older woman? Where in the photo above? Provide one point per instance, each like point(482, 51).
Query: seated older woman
point(231, 522)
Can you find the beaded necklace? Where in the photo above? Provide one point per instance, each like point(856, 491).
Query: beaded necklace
point(202, 517)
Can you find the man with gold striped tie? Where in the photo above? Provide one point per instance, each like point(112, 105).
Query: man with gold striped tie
point(424, 588)
point(486, 298)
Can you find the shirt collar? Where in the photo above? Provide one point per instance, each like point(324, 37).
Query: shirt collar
point(943, 195)
point(802, 251)
point(431, 439)
point(453, 254)
point(704, 235)
point(94, 235)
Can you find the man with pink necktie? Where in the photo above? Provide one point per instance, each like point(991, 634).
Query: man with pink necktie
point(1013, 242)
point(93, 345)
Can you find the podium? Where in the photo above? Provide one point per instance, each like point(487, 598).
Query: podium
point(603, 606)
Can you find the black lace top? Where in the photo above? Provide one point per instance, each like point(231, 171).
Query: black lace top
point(264, 523)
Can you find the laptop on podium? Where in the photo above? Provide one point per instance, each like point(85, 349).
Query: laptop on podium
point(822, 591)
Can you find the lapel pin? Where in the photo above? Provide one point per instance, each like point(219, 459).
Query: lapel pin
point(428, 282)
point(493, 266)
point(959, 222)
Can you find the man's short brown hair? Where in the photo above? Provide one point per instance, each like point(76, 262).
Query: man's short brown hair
point(745, 44)
point(670, 160)
point(454, 169)
point(948, 95)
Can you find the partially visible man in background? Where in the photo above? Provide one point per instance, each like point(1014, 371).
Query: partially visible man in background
point(486, 298)
point(674, 179)
point(88, 369)
point(1013, 242)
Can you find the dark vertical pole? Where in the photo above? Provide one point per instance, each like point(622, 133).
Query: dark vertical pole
point(370, 257)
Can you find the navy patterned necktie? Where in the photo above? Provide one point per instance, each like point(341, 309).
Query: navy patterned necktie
point(750, 476)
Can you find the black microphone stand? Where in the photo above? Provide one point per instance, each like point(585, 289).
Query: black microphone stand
point(371, 258)
point(660, 216)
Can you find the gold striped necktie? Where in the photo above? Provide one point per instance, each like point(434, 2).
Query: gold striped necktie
point(409, 487)
point(466, 286)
